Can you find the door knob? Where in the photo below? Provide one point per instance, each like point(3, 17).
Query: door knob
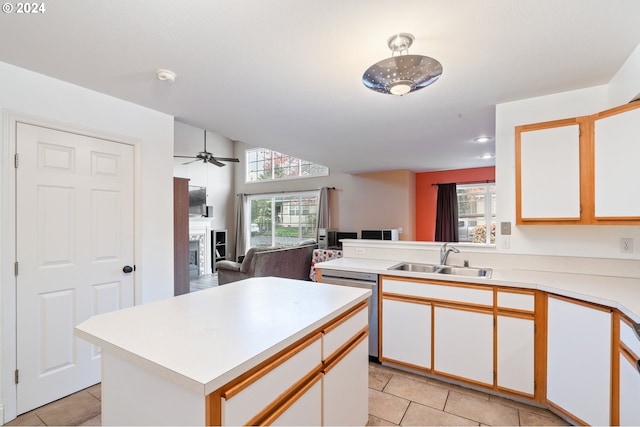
point(127, 269)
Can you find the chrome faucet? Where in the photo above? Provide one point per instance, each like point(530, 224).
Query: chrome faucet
point(444, 253)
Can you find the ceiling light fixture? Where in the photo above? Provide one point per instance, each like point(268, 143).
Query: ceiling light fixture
point(487, 156)
point(404, 73)
point(166, 75)
point(482, 139)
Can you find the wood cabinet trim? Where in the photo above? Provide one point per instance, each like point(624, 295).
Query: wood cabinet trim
point(584, 151)
point(345, 349)
point(582, 303)
point(276, 408)
point(244, 381)
point(486, 287)
point(346, 316)
point(614, 410)
point(587, 159)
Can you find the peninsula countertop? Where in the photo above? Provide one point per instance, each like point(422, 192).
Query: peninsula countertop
point(207, 338)
point(622, 293)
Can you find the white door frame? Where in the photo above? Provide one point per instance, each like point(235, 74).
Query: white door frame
point(8, 320)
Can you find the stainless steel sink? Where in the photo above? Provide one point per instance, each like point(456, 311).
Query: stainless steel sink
point(443, 269)
point(412, 266)
point(465, 271)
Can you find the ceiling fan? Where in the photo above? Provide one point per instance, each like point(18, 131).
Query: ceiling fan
point(207, 157)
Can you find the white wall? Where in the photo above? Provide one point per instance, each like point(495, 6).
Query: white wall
point(585, 240)
point(189, 141)
point(364, 201)
point(27, 93)
point(625, 85)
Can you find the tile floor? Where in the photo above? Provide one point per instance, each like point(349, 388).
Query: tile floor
point(395, 398)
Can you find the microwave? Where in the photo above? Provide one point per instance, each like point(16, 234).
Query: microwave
point(389, 234)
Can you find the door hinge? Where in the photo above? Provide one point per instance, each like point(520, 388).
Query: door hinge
point(16, 376)
point(16, 161)
point(15, 268)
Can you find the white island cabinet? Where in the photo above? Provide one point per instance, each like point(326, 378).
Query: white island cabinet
point(259, 351)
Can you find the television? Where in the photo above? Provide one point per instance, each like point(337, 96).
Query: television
point(197, 201)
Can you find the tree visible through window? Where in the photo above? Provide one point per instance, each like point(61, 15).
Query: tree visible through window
point(267, 165)
point(282, 219)
point(476, 210)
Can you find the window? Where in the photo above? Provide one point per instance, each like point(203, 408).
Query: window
point(282, 219)
point(267, 165)
point(476, 209)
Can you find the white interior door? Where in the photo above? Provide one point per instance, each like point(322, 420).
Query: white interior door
point(74, 235)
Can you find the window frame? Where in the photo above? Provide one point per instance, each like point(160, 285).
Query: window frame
point(274, 212)
point(489, 215)
point(301, 166)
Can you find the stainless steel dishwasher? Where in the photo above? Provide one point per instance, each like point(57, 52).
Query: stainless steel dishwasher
point(360, 280)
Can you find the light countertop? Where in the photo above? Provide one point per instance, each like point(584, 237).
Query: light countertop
point(207, 338)
point(622, 293)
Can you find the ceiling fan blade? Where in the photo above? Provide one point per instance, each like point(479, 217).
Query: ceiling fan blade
point(227, 159)
point(187, 157)
point(192, 161)
point(213, 161)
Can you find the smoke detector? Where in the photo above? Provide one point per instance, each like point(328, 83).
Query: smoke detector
point(166, 75)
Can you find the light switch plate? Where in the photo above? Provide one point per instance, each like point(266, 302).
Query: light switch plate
point(505, 228)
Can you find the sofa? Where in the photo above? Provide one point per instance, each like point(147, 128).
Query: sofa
point(291, 262)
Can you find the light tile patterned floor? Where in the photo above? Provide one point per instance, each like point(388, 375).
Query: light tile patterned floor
point(395, 398)
point(401, 398)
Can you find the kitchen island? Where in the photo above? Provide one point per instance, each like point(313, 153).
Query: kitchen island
point(262, 350)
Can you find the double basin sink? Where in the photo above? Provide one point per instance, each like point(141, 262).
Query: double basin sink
point(443, 269)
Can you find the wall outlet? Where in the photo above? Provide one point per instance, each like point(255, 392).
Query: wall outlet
point(626, 245)
point(505, 242)
point(360, 251)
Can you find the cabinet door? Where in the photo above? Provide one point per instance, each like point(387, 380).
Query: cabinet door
point(629, 392)
point(463, 344)
point(306, 409)
point(579, 360)
point(548, 173)
point(406, 333)
point(616, 158)
point(515, 354)
point(346, 385)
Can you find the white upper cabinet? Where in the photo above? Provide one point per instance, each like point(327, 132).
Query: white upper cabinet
point(616, 160)
point(550, 172)
point(582, 170)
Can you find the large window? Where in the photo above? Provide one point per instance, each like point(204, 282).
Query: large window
point(282, 219)
point(267, 165)
point(476, 210)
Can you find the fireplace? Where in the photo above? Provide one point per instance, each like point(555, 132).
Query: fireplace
point(197, 255)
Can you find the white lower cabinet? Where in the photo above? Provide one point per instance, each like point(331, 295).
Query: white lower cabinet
point(306, 409)
point(579, 360)
point(515, 354)
point(463, 344)
point(629, 393)
point(346, 389)
point(406, 332)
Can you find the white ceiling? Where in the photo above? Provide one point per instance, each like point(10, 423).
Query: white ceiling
point(286, 74)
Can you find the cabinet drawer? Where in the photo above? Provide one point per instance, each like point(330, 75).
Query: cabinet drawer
point(453, 293)
point(340, 333)
point(628, 337)
point(515, 300)
point(243, 402)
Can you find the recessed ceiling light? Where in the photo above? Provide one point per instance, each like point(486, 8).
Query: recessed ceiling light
point(487, 156)
point(482, 139)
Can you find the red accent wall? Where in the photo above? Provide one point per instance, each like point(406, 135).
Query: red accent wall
point(427, 195)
